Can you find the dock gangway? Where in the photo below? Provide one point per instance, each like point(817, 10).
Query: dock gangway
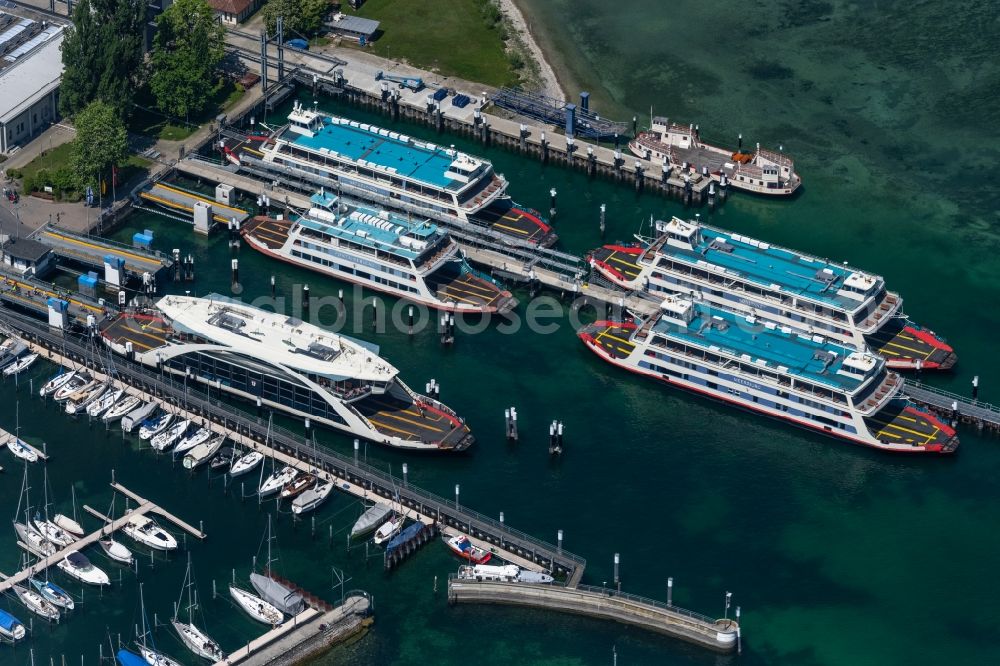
point(983, 415)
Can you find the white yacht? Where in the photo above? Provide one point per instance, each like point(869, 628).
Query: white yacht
point(148, 532)
point(78, 566)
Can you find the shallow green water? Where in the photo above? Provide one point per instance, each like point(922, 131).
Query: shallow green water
point(836, 554)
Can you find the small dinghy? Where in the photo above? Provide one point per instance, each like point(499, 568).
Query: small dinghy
point(302, 482)
point(104, 403)
point(124, 405)
point(34, 541)
point(256, 607)
point(20, 365)
point(54, 594)
point(371, 519)
point(276, 481)
point(170, 436)
point(22, 450)
point(72, 386)
point(78, 566)
point(246, 463)
point(464, 548)
point(56, 383)
point(154, 426)
point(117, 551)
point(388, 529)
point(198, 641)
point(146, 531)
point(223, 459)
point(11, 628)
point(54, 534)
point(69, 525)
point(37, 604)
point(202, 453)
point(312, 498)
point(200, 436)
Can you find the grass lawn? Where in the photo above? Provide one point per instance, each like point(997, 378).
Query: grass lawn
point(146, 120)
point(50, 160)
point(450, 36)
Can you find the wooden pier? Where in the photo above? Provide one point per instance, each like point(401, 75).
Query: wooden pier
point(722, 635)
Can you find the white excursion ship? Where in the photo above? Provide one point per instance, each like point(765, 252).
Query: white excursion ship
point(396, 170)
point(281, 362)
point(772, 370)
point(763, 172)
point(784, 286)
point(379, 250)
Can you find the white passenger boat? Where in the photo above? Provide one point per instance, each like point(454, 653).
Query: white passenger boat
point(117, 551)
point(20, 365)
point(104, 403)
point(56, 383)
point(118, 410)
point(36, 603)
point(147, 531)
point(256, 607)
point(78, 566)
point(388, 529)
point(277, 480)
point(170, 436)
point(69, 525)
point(202, 453)
point(312, 497)
point(154, 426)
point(371, 519)
point(192, 440)
point(78, 382)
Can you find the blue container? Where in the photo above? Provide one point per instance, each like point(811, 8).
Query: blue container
point(440, 94)
point(461, 101)
point(87, 282)
point(142, 240)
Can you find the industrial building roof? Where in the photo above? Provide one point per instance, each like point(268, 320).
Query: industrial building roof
point(30, 78)
point(354, 25)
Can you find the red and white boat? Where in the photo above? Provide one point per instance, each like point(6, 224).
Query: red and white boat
point(462, 546)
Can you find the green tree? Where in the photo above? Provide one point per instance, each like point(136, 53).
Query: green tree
point(103, 55)
point(101, 143)
point(313, 13)
point(303, 17)
point(189, 45)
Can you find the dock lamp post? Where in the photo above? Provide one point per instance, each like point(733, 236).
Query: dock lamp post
point(729, 598)
point(501, 529)
point(456, 496)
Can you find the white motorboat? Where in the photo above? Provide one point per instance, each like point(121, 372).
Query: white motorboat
point(312, 497)
point(138, 415)
point(203, 452)
point(78, 566)
point(56, 383)
point(36, 603)
point(154, 426)
point(54, 534)
point(104, 403)
point(371, 519)
point(11, 628)
point(69, 525)
point(389, 529)
point(54, 594)
point(78, 382)
point(198, 641)
point(256, 607)
point(199, 436)
point(34, 541)
point(154, 658)
point(146, 531)
point(22, 450)
point(81, 399)
point(170, 436)
point(20, 365)
point(277, 481)
point(124, 405)
point(117, 551)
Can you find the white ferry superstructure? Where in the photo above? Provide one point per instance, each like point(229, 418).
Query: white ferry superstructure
point(379, 250)
point(772, 370)
point(281, 362)
point(787, 287)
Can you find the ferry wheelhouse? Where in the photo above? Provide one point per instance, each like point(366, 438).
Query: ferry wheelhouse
point(379, 250)
point(284, 363)
point(784, 286)
point(775, 371)
point(394, 170)
point(762, 172)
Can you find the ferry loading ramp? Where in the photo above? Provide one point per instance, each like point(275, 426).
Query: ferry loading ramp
point(91, 251)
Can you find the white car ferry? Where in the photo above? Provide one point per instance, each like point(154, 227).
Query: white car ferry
point(399, 171)
point(762, 172)
point(381, 251)
point(284, 363)
point(772, 370)
point(784, 286)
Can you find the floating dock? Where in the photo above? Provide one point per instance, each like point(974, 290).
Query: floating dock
point(95, 252)
point(722, 635)
point(184, 201)
point(35, 296)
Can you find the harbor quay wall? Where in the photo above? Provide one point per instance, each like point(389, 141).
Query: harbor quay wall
point(506, 541)
point(602, 603)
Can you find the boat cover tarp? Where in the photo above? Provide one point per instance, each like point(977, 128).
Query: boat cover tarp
point(284, 599)
point(127, 658)
point(8, 622)
point(404, 536)
point(369, 519)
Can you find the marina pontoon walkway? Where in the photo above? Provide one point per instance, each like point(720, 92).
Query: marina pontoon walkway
point(517, 223)
point(272, 233)
point(906, 344)
point(143, 331)
point(415, 422)
point(611, 337)
point(619, 260)
point(175, 198)
point(901, 423)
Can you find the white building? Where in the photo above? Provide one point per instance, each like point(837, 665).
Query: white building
point(30, 71)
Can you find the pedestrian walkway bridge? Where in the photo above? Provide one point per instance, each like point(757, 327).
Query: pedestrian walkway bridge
point(959, 409)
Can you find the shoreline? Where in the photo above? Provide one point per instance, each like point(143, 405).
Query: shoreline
point(549, 80)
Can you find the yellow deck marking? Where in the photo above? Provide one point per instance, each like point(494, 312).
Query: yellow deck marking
point(215, 204)
point(504, 226)
point(74, 241)
point(410, 421)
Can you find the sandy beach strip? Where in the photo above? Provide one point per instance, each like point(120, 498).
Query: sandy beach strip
point(549, 81)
